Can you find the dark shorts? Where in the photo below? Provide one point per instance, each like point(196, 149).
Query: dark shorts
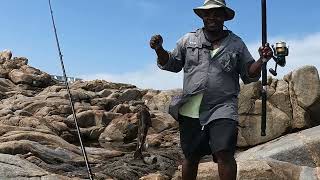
point(218, 135)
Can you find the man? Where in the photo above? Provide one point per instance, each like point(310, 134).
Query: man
point(212, 59)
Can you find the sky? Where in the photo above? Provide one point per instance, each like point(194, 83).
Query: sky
point(109, 39)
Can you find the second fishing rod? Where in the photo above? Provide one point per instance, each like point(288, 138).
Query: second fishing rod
point(70, 96)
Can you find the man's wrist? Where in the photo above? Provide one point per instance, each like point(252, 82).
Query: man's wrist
point(158, 48)
point(262, 60)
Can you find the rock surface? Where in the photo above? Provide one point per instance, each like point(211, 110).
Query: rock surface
point(259, 169)
point(13, 167)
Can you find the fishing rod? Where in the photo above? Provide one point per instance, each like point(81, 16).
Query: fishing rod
point(280, 52)
point(264, 70)
point(70, 96)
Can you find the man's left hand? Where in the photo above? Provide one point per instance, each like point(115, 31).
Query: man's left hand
point(265, 52)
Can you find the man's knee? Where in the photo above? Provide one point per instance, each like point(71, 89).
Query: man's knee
point(191, 161)
point(224, 157)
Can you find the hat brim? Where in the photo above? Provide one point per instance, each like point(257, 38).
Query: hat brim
point(229, 12)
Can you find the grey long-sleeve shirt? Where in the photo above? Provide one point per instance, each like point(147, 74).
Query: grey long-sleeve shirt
point(217, 77)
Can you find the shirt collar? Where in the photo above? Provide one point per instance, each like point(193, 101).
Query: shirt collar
point(203, 39)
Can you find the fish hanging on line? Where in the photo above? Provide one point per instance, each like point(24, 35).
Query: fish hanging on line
point(144, 122)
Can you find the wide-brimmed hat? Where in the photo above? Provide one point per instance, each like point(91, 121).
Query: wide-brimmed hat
point(212, 4)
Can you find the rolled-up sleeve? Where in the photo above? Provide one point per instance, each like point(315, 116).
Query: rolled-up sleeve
point(246, 60)
point(176, 58)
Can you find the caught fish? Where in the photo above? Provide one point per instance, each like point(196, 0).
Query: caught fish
point(144, 122)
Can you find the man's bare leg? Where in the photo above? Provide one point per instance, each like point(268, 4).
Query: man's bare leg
point(190, 169)
point(227, 165)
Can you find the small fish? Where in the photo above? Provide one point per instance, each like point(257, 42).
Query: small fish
point(144, 123)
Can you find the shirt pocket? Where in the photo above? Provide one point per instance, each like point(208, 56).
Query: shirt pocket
point(192, 57)
point(229, 60)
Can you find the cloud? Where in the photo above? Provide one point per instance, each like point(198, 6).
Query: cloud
point(303, 51)
point(151, 77)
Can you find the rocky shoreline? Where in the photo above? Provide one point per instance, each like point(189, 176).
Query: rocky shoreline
point(38, 139)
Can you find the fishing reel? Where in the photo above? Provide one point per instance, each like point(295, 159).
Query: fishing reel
point(280, 53)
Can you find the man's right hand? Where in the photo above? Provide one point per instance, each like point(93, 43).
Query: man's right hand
point(156, 42)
